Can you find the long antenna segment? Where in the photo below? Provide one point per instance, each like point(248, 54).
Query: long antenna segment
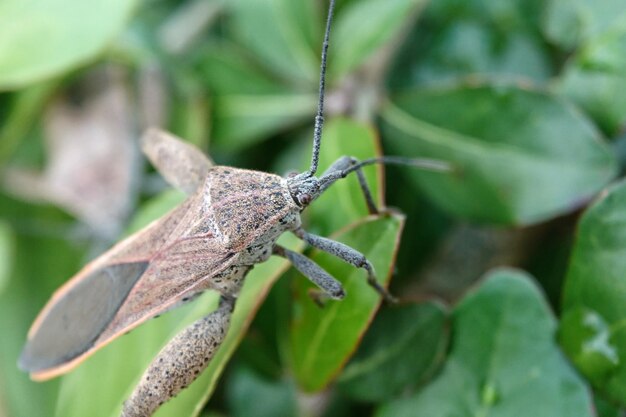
point(319, 117)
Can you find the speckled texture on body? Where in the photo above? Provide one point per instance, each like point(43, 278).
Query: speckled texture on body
point(210, 241)
point(179, 363)
point(247, 206)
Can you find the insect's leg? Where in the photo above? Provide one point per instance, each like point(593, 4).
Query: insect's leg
point(313, 272)
point(346, 162)
point(346, 253)
point(180, 362)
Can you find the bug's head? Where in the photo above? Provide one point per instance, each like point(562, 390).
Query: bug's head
point(304, 188)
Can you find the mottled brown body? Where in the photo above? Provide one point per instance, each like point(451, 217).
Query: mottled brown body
point(212, 244)
point(210, 241)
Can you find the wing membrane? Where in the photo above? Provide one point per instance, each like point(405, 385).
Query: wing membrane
point(142, 276)
point(75, 322)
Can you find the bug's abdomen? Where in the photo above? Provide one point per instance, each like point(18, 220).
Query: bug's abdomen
point(229, 281)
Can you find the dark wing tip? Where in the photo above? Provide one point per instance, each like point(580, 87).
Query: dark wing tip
point(29, 361)
point(26, 359)
point(75, 321)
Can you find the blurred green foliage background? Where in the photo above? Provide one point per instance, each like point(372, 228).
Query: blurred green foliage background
point(511, 270)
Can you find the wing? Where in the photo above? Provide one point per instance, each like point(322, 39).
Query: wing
point(139, 278)
point(74, 322)
point(183, 165)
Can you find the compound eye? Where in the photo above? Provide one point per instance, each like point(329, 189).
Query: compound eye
point(304, 199)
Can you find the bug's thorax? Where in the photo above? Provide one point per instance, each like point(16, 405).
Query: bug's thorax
point(246, 208)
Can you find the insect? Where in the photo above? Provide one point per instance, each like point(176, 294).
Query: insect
point(229, 222)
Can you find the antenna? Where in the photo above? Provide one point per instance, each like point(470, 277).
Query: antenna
point(423, 163)
point(319, 117)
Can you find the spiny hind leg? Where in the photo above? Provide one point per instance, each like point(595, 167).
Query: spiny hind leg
point(347, 254)
point(180, 362)
point(346, 162)
point(331, 287)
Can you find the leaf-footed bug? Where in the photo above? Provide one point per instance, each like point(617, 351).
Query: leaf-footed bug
point(229, 222)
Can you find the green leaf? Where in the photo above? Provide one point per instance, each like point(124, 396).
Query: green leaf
point(7, 249)
point(462, 48)
point(25, 106)
point(605, 409)
point(600, 93)
point(507, 16)
point(343, 202)
point(363, 27)
point(504, 361)
point(321, 340)
point(596, 79)
point(340, 204)
point(520, 156)
point(593, 332)
point(99, 386)
point(587, 339)
point(249, 104)
point(43, 38)
point(401, 350)
point(284, 37)
point(571, 22)
point(242, 120)
point(251, 395)
point(282, 33)
point(227, 69)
